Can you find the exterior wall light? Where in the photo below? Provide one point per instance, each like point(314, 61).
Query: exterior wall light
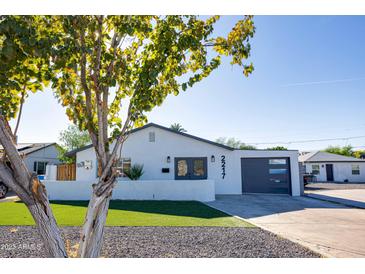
point(212, 159)
point(168, 159)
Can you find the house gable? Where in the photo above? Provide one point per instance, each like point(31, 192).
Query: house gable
point(152, 125)
point(322, 157)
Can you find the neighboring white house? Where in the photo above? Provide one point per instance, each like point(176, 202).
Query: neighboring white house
point(38, 155)
point(175, 163)
point(329, 167)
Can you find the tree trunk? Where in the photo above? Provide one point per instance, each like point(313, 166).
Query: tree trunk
point(93, 229)
point(46, 224)
point(37, 202)
point(32, 192)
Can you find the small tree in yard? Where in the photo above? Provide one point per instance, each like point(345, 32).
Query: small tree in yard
point(24, 68)
point(104, 63)
point(102, 66)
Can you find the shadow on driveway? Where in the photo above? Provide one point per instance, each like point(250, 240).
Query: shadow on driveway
point(258, 205)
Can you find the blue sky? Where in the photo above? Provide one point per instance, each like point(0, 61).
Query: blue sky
point(308, 83)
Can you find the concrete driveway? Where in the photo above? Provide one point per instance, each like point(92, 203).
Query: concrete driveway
point(330, 229)
point(351, 194)
point(350, 197)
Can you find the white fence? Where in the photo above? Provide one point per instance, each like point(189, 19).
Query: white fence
point(183, 190)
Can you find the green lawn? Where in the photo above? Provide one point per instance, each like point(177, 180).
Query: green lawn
point(127, 213)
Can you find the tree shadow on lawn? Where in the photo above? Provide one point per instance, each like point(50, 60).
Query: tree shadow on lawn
point(173, 208)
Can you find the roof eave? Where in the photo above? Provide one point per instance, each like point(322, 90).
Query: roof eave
point(75, 151)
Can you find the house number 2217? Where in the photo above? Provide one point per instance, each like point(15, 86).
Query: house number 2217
point(223, 165)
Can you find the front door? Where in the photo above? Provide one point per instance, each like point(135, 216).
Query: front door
point(191, 168)
point(329, 172)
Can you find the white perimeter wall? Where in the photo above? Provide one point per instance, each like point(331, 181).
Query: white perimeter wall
point(202, 190)
point(341, 171)
point(153, 156)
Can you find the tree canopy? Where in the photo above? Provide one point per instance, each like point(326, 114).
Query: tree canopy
point(177, 127)
point(360, 154)
point(24, 52)
point(345, 150)
point(140, 59)
point(70, 139)
point(277, 148)
point(234, 143)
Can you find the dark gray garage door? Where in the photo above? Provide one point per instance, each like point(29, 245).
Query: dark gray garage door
point(265, 175)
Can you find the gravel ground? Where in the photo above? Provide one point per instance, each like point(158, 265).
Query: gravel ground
point(326, 186)
point(162, 242)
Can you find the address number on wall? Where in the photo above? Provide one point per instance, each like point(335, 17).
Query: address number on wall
point(223, 165)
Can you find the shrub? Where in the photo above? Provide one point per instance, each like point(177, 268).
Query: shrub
point(135, 172)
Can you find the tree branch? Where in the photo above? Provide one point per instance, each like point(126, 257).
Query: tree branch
point(20, 114)
point(119, 141)
point(101, 106)
point(7, 141)
point(87, 92)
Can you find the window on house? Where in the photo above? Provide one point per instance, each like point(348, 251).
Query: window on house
point(123, 165)
point(198, 167)
point(277, 170)
point(277, 161)
point(355, 169)
point(182, 167)
point(151, 136)
point(40, 168)
point(315, 169)
point(193, 168)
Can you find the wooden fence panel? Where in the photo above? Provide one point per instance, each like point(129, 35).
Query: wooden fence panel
point(66, 172)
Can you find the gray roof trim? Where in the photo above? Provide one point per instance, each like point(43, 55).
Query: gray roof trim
point(31, 150)
point(264, 149)
point(73, 152)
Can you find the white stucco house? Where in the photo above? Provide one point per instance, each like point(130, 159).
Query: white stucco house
point(328, 167)
point(180, 166)
point(38, 155)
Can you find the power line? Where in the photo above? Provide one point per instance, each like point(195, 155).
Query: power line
point(324, 82)
point(308, 141)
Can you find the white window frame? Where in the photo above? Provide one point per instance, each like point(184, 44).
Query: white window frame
point(277, 161)
point(357, 168)
point(121, 168)
point(35, 166)
point(319, 169)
